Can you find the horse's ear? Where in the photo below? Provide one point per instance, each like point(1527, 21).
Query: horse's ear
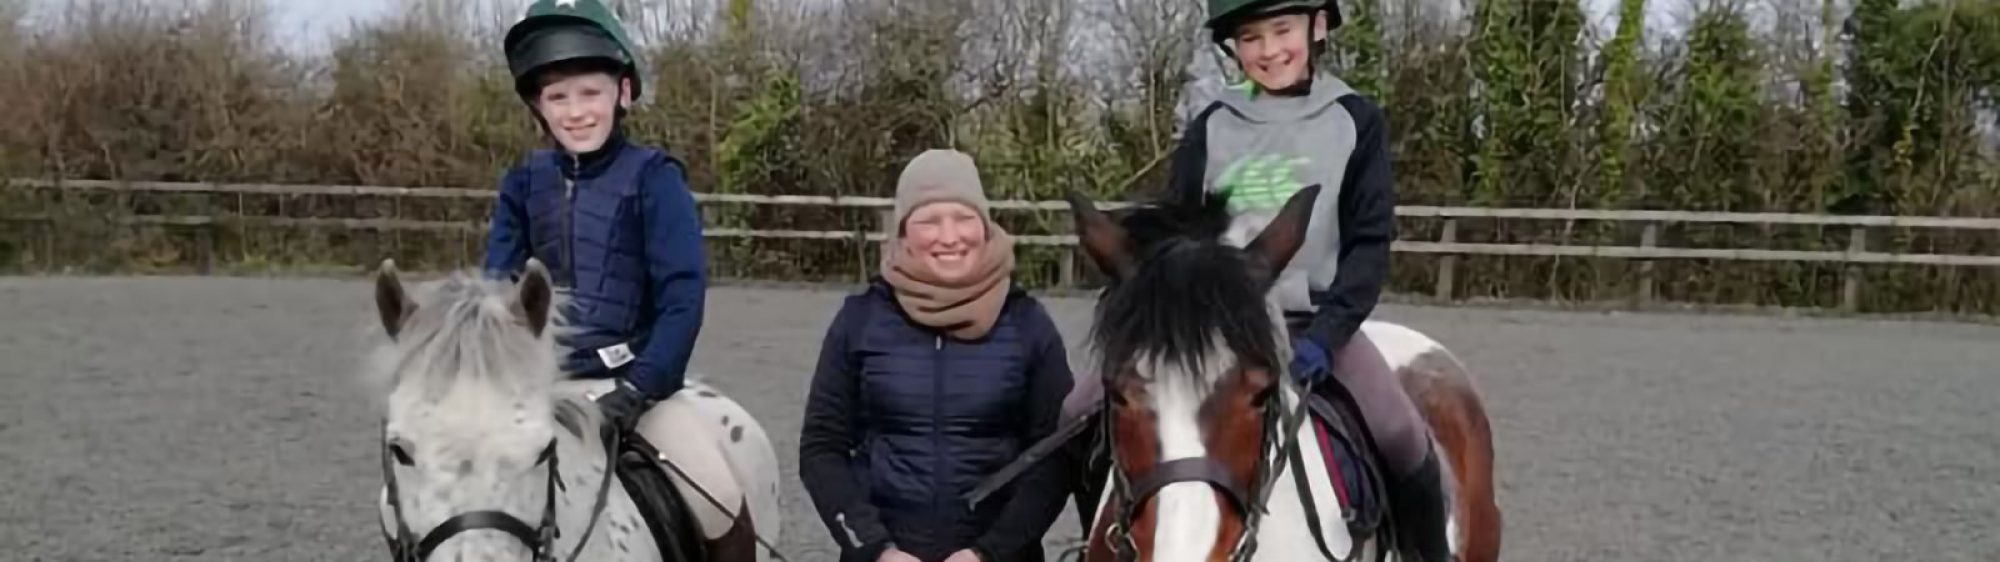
point(1274, 247)
point(391, 301)
point(1101, 238)
point(531, 296)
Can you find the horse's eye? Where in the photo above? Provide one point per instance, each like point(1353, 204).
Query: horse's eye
point(402, 455)
point(547, 453)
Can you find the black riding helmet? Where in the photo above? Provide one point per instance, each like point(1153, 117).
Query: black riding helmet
point(1225, 15)
point(568, 31)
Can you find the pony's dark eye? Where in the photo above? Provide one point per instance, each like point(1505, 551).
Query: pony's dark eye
point(402, 455)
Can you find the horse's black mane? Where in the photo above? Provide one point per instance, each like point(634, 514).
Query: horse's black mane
point(1186, 288)
point(1174, 219)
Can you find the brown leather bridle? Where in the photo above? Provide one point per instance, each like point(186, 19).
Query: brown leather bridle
point(1280, 432)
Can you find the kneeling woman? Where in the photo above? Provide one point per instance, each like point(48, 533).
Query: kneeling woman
point(934, 376)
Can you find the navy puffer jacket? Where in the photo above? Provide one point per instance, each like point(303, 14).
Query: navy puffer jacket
point(903, 420)
point(619, 231)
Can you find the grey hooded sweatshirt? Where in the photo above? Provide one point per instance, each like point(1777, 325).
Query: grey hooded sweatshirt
point(1259, 150)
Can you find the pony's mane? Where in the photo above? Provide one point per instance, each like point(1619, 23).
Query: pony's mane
point(464, 331)
point(1188, 288)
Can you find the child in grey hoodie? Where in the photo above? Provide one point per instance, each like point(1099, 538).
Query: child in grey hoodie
point(1288, 127)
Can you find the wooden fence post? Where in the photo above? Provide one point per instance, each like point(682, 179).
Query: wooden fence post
point(1066, 269)
point(49, 244)
point(1648, 238)
point(204, 237)
point(1850, 291)
point(885, 225)
point(1447, 265)
point(396, 236)
point(242, 239)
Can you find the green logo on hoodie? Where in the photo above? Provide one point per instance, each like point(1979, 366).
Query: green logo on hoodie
point(1261, 183)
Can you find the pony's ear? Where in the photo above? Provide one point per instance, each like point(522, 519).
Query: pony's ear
point(391, 301)
point(531, 296)
point(1274, 247)
point(1101, 238)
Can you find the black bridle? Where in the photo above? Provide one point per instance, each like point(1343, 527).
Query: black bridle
point(1281, 428)
point(540, 539)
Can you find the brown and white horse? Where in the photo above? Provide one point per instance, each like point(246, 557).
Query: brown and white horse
point(1203, 422)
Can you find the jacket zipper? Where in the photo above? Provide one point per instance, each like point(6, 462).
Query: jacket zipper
point(569, 218)
point(937, 426)
point(853, 539)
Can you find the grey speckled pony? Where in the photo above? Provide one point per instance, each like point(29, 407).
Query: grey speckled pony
point(490, 455)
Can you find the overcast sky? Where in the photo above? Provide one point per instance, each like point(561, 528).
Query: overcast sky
point(306, 23)
point(322, 16)
point(318, 17)
point(310, 22)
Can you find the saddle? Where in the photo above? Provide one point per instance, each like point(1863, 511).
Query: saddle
point(1347, 456)
point(658, 501)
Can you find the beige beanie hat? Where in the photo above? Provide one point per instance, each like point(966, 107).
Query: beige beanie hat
point(939, 175)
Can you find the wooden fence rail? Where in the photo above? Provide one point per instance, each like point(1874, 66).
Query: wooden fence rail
point(1446, 246)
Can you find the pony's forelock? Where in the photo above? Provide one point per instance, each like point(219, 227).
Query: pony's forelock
point(1189, 292)
point(464, 332)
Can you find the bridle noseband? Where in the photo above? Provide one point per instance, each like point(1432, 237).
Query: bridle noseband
point(540, 539)
point(1280, 426)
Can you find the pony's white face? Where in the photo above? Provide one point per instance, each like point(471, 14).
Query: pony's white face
point(468, 423)
point(1191, 350)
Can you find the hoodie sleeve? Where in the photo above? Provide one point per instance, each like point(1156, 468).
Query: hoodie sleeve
point(826, 441)
point(1041, 491)
point(1190, 159)
point(507, 237)
point(677, 275)
point(1367, 228)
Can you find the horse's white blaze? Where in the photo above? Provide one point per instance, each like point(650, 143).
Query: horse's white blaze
point(1399, 344)
point(1452, 538)
point(1189, 519)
